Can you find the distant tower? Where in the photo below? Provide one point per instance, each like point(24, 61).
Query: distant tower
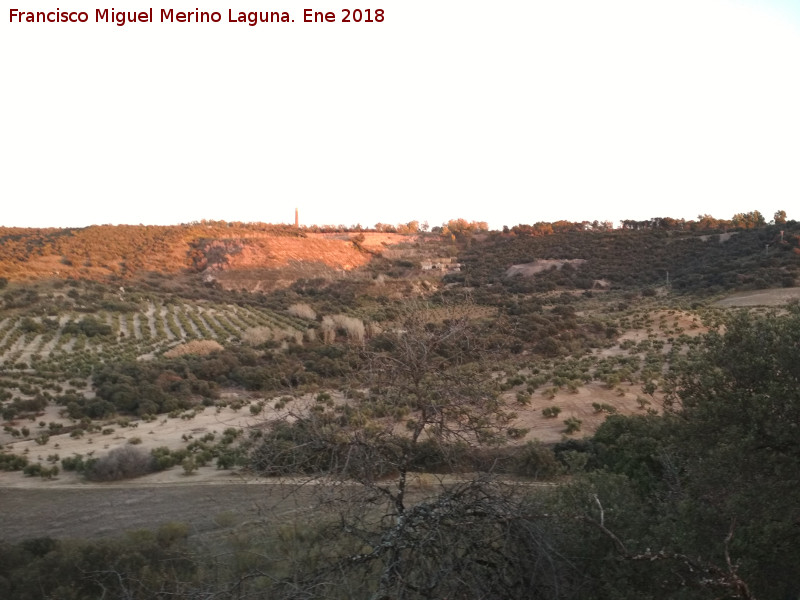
point(296, 218)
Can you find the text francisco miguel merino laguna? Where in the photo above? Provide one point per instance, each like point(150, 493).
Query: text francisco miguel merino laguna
point(169, 15)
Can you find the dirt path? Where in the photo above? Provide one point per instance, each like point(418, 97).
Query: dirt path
point(210, 502)
point(99, 510)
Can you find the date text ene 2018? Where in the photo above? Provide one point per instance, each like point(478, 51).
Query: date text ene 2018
point(356, 15)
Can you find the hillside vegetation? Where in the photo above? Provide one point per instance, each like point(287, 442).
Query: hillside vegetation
point(119, 253)
point(554, 411)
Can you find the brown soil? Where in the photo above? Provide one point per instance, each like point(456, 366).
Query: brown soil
point(173, 433)
point(578, 405)
point(537, 266)
point(101, 251)
point(221, 501)
point(268, 263)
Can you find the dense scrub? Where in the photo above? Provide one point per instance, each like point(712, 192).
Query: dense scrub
point(637, 259)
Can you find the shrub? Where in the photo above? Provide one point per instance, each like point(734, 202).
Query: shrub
point(354, 328)
point(572, 424)
point(255, 336)
point(73, 463)
point(163, 458)
point(304, 311)
point(189, 465)
point(12, 462)
point(551, 412)
point(124, 462)
point(89, 326)
point(35, 469)
point(536, 460)
point(32, 470)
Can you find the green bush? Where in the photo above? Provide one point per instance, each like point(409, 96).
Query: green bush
point(572, 424)
point(551, 412)
point(12, 462)
point(536, 460)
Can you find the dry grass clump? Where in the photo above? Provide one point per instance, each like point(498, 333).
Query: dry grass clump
point(352, 327)
point(328, 329)
point(198, 347)
point(303, 311)
point(255, 336)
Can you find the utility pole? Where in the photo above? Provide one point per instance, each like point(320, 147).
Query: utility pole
point(297, 218)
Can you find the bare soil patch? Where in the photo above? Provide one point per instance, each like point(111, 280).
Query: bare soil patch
point(720, 237)
point(171, 432)
point(532, 268)
point(578, 405)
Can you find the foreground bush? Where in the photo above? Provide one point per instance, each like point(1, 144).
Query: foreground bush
point(125, 462)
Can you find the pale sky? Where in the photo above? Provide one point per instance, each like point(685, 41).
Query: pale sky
point(506, 111)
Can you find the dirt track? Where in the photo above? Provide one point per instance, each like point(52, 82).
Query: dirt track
point(99, 511)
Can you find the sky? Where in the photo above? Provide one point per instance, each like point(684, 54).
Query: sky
point(507, 112)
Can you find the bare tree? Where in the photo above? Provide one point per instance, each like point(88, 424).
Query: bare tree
point(426, 401)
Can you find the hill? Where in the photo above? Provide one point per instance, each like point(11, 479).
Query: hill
point(257, 252)
point(393, 393)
